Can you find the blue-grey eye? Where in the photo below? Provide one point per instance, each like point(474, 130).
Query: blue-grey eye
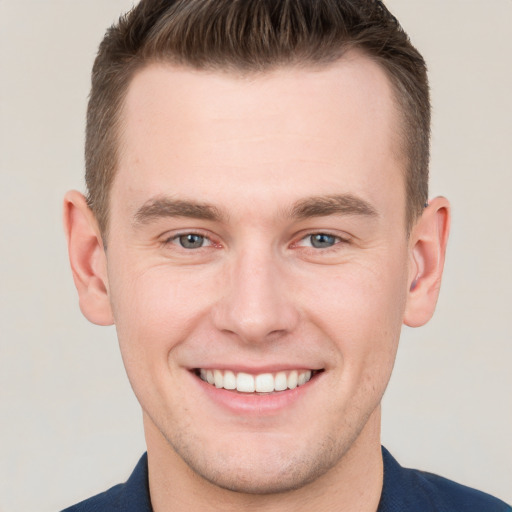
point(322, 240)
point(191, 241)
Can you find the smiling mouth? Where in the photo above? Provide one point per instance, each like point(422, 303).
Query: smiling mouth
point(260, 383)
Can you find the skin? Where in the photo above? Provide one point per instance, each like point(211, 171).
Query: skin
point(258, 295)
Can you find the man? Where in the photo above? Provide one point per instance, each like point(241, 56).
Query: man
point(257, 228)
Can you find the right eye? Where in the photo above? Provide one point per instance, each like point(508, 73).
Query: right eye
point(190, 241)
point(322, 240)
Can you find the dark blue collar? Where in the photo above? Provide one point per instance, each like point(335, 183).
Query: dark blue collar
point(419, 491)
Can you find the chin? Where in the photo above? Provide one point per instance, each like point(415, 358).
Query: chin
point(268, 468)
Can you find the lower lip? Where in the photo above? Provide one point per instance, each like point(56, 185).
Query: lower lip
point(252, 403)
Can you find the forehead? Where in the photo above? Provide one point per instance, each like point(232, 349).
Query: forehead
point(282, 131)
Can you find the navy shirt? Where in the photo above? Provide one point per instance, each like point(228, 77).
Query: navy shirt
point(404, 490)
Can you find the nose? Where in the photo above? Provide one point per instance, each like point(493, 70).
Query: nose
point(256, 304)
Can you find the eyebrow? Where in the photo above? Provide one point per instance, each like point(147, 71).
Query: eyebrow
point(316, 206)
point(161, 207)
point(320, 206)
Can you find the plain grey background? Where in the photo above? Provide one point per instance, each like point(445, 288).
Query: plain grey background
point(70, 426)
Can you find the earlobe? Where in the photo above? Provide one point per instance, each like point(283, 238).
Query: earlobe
point(427, 250)
point(87, 258)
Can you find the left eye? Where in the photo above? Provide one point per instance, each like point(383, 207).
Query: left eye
point(192, 241)
point(321, 240)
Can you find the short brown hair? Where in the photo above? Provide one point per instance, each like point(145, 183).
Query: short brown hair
point(252, 35)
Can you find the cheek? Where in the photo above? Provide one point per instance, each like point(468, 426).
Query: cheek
point(155, 313)
point(360, 307)
point(156, 310)
point(361, 311)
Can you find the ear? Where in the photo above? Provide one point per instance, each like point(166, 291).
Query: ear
point(427, 250)
point(88, 259)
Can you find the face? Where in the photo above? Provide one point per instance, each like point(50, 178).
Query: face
point(257, 242)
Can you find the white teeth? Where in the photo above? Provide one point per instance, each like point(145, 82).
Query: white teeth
point(265, 383)
point(245, 383)
point(303, 378)
point(262, 383)
point(281, 382)
point(218, 379)
point(229, 380)
point(293, 379)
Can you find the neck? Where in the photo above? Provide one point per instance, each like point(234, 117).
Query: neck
point(353, 483)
